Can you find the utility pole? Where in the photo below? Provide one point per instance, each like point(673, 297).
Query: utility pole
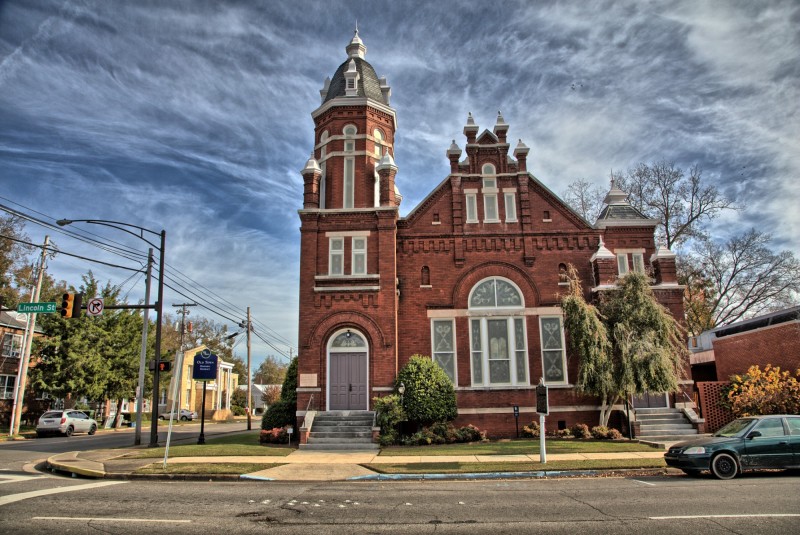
point(249, 375)
point(178, 374)
point(137, 435)
point(22, 376)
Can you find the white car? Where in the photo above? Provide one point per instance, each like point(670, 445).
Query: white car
point(65, 422)
point(184, 415)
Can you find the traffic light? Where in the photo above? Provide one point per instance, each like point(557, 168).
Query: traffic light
point(164, 366)
point(71, 305)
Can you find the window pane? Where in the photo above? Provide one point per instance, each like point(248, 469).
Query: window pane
point(520, 353)
point(499, 365)
point(443, 336)
point(551, 333)
point(490, 207)
point(511, 207)
point(622, 263)
point(490, 183)
point(359, 264)
point(483, 295)
point(337, 244)
point(507, 295)
point(348, 339)
point(553, 366)
point(472, 208)
point(446, 361)
point(638, 263)
point(477, 355)
point(348, 183)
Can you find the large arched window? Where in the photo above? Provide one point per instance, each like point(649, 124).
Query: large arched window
point(498, 339)
point(349, 166)
point(323, 165)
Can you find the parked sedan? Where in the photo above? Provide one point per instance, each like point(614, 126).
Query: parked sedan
point(184, 415)
point(65, 422)
point(744, 444)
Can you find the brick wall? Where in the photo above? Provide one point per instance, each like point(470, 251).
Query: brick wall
point(709, 395)
point(778, 345)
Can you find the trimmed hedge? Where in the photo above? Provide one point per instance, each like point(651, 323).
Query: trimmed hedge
point(429, 395)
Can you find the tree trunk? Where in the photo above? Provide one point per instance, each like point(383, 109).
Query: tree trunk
point(606, 408)
point(118, 415)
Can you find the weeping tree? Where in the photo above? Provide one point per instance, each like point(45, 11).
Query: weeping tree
point(629, 344)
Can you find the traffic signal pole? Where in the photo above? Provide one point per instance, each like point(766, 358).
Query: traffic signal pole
point(249, 376)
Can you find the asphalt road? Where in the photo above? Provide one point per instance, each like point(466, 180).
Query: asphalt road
point(14, 454)
point(763, 503)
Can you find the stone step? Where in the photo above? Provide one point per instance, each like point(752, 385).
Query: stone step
point(663, 432)
point(340, 440)
point(340, 447)
point(365, 432)
point(656, 410)
point(677, 428)
point(340, 426)
point(670, 416)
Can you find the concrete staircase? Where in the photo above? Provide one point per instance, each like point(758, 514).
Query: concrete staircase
point(341, 431)
point(662, 425)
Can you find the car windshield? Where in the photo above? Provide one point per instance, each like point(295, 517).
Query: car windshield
point(735, 428)
point(52, 414)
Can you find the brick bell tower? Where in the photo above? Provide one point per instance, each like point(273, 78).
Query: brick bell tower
point(348, 272)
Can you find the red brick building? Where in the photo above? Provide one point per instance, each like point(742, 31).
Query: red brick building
point(472, 276)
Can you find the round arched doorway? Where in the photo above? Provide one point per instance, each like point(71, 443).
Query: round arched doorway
point(347, 371)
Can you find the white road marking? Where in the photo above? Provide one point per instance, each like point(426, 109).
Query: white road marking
point(14, 479)
point(111, 519)
point(689, 517)
point(36, 493)
point(644, 482)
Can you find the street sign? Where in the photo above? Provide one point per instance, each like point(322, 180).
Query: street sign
point(38, 308)
point(94, 306)
point(542, 405)
point(205, 366)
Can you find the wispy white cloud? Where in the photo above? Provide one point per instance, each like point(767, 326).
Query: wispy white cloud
point(194, 116)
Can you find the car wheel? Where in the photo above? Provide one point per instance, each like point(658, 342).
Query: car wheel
point(184, 418)
point(93, 429)
point(724, 466)
point(39, 434)
point(691, 473)
point(69, 431)
point(161, 417)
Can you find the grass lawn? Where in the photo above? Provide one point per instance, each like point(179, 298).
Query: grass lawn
point(225, 445)
point(25, 431)
point(466, 468)
point(519, 447)
point(207, 469)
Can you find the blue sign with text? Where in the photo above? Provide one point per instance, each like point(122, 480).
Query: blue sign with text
point(205, 366)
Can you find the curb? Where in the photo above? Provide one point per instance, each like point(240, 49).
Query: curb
point(540, 474)
point(52, 464)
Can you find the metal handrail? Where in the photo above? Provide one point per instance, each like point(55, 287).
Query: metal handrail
point(308, 407)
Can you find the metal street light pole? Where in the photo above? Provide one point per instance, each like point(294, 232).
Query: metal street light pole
point(159, 306)
point(137, 438)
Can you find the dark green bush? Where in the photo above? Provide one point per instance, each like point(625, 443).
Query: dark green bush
point(389, 415)
point(289, 387)
point(429, 395)
point(279, 414)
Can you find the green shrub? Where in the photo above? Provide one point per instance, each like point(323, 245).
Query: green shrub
point(279, 414)
point(389, 415)
point(614, 434)
point(470, 433)
point(563, 433)
point(429, 395)
point(581, 431)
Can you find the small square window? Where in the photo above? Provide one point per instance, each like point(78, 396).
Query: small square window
point(546, 215)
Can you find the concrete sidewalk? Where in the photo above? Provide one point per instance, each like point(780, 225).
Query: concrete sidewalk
point(299, 465)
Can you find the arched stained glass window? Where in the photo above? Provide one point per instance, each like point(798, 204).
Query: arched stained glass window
point(348, 340)
point(495, 293)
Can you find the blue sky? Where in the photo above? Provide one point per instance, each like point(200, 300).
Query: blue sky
point(194, 116)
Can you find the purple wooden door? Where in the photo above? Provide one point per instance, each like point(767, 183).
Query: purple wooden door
point(348, 381)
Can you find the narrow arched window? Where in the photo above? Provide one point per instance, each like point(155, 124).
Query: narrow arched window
point(562, 274)
point(425, 277)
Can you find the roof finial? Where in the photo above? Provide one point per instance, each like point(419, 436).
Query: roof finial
point(356, 26)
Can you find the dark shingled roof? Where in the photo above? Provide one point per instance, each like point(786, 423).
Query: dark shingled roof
point(620, 212)
point(368, 84)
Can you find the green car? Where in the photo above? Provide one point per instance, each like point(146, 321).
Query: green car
point(744, 444)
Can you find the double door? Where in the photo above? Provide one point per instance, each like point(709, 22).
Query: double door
point(348, 381)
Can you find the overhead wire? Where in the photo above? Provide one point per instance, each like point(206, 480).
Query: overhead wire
point(211, 301)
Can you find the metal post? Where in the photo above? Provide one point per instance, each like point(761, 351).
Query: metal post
point(202, 438)
point(137, 438)
point(19, 399)
point(249, 376)
point(542, 451)
point(159, 313)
